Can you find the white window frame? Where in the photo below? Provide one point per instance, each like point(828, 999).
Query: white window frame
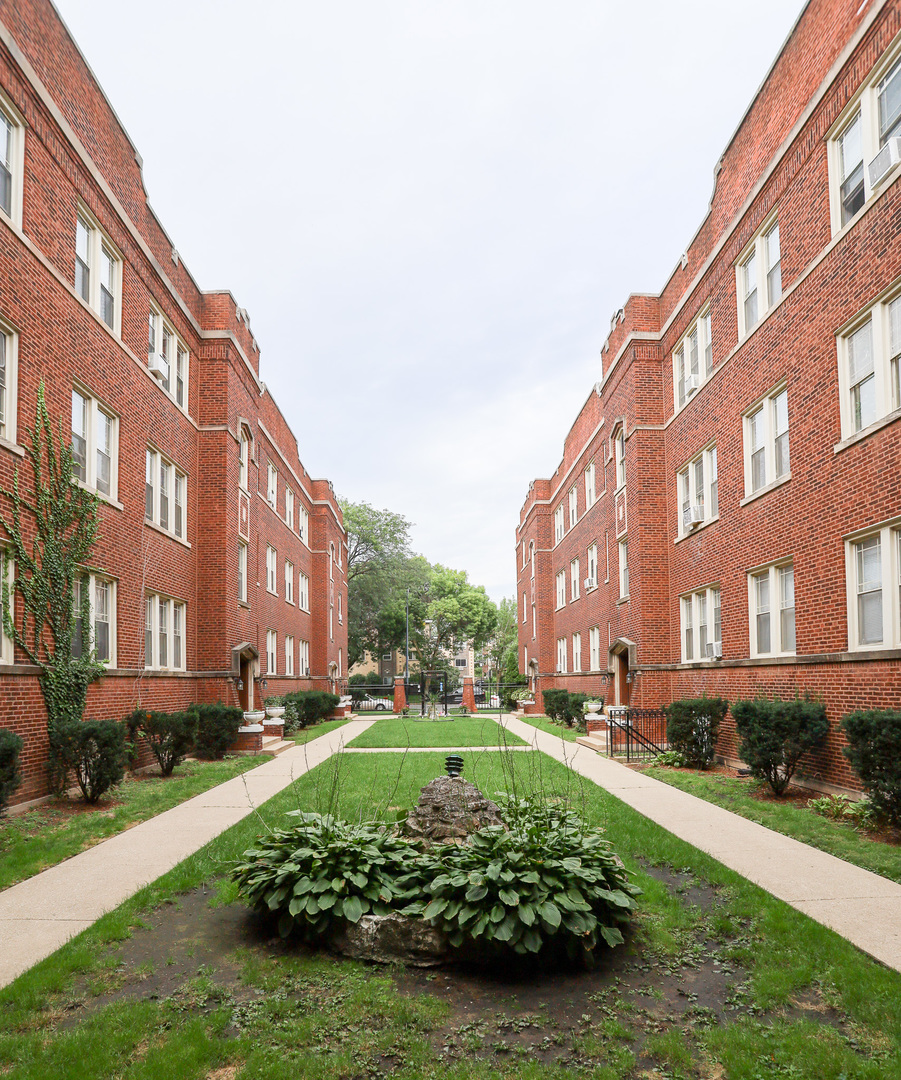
point(304, 658)
point(303, 524)
point(94, 584)
point(14, 163)
point(160, 472)
point(162, 623)
point(93, 251)
point(8, 568)
point(767, 442)
point(558, 524)
point(573, 507)
point(561, 654)
point(698, 612)
point(770, 601)
point(271, 652)
point(864, 106)
point(889, 585)
point(590, 485)
point(242, 571)
point(9, 386)
point(594, 648)
point(303, 591)
point(592, 566)
point(167, 352)
point(289, 581)
point(692, 359)
point(577, 651)
point(289, 508)
point(289, 654)
point(619, 454)
point(697, 485)
point(271, 485)
point(763, 278)
point(560, 582)
point(624, 569)
point(244, 460)
point(574, 580)
point(271, 570)
point(93, 425)
point(876, 323)
point(525, 609)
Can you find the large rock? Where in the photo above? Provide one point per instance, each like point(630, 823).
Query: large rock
point(392, 939)
point(449, 809)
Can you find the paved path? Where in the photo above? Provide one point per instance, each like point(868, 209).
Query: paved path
point(861, 906)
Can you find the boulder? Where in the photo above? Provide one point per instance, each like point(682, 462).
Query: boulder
point(449, 810)
point(392, 939)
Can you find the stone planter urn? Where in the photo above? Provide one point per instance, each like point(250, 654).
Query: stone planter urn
point(275, 712)
point(592, 707)
point(255, 716)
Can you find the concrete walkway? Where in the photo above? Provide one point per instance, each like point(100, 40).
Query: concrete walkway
point(857, 904)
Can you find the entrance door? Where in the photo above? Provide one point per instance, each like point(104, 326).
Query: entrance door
point(245, 691)
point(623, 686)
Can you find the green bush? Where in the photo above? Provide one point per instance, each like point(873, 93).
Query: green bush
point(874, 750)
point(170, 735)
point(217, 727)
point(10, 748)
point(92, 751)
point(776, 734)
point(555, 704)
point(307, 707)
point(573, 713)
point(692, 728)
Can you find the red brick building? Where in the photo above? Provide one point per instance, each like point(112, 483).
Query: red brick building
point(727, 514)
point(220, 561)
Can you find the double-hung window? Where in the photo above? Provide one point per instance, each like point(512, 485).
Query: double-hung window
point(594, 648)
point(561, 654)
point(692, 359)
point(289, 508)
point(561, 588)
point(243, 460)
point(619, 452)
point(766, 442)
point(289, 581)
point(272, 485)
point(577, 652)
point(167, 357)
point(12, 161)
point(591, 582)
point(303, 591)
point(697, 491)
point(98, 270)
point(7, 574)
point(869, 355)
point(95, 597)
point(771, 606)
point(303, 524)
point(8, 351)
point(701, 625)
point(304, 658)
point(271, 650)
point(590, 492)
point(558, 524)
point(573, 507)
point(758, 277)
point(873, 568)
point(574, 580)
point(164, 632)
point(271, 569)
point(94, 444)
point(165, 494)
point(242, 571)
point(623, 569)
point(289, 654)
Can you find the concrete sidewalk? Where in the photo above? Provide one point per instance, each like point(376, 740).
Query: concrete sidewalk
point(857, 904)
point(39, 915)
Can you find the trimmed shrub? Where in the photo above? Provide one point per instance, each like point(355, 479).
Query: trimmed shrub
point(874, 750)
point(10, 748)
point(309, 707)
point(573, 713)
point(170, 735)
point(555, 702)
point(692, 727)
point(217, 728)
point(776, 734)
point(93, 751)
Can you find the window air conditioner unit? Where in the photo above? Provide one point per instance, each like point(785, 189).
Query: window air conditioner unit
point(691, 383)
point(715, 650)
point(692, 515)
point(590, 583)
point(155, 367)
point(883, 163)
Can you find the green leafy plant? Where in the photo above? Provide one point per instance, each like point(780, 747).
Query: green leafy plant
point(692, 728)
point(841, 808)
point(217, 727)
point(92, 751)
point(325, 872)
point(555, 704)
point(874, 750)
point(171, 736)
point(776, 734)
point(671, 758)
point(306, 707)
point(10, 748)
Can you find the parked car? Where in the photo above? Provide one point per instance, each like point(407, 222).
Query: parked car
point(380, 704)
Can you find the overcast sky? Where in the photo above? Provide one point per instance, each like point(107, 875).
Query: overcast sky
point(431, 209)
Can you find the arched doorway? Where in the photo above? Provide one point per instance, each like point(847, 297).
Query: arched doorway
point(621, 660)
point(245, 668)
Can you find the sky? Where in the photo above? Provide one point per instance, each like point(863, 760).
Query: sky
point(430, 210)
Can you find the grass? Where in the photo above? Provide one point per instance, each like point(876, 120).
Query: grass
point(838, 838)
point(452, 734)
point(304, 735)
point(316, 1017)
point(544, 723)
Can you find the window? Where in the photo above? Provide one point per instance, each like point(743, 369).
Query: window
point(619, 450)
point(272, 485)
point(561, 588)
point(623, 569)
point(243, 460)
point(524, 608)
point(340, 615)
point(766, 442)
point(573, 508)
point(692, 360)
point(242, 571)
point(7, 572)
point(561, 654)
point(164, 633)
point(165, 495)
point(289, 508)
point(702, 635)
point(94, 450)
point(98, 270)
point(591, 581)
point(874, 589)
point(167, 357)
point(697, 491)
point(577, 652)
point(574, 579)
point(759, 278)
point(590, 491)
point(271, 569)
point(558, 523)
point(771, 602)
point(861, 132)
point(303, 592)
point(870, 367)
point(594, 648)
point(95, 596)
point(8, 352)
point(289, 581)
point(304, 658)
point(271, 649)
point(303, 524)
point(289, 654)
point(12, 163)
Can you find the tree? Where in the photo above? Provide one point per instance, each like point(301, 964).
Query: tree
point(455, 613)
point(501, 649)
point(50, 533)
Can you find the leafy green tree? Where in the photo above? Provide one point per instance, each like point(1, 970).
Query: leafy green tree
point(456, 613)
point(501, 649)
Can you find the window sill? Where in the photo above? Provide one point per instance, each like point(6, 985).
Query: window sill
point(244, 604)
point(165, 532)
point(14, 447)
point(694, 532)
point(108, 499)
point(623, 600)
point(766, 489)
point(859, 436)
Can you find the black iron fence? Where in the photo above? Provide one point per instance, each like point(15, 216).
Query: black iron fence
point(636, 734)
point(435, 698)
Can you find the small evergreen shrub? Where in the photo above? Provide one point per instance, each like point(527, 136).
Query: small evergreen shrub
point(555, 704)
point(573, 713)
point(874, 750)
point(170, 735)
point(217, 728)
point(692, 728)
point(10, 748)
point(776, 734)
point(92, 751)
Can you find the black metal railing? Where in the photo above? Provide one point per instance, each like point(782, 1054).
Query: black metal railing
point(636, 734)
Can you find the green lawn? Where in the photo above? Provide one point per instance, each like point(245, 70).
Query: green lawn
point(304, 735)
point(308, 1015)
point(404, 732)
point(544, 723)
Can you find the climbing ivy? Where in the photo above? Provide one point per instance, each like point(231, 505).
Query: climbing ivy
point(50, 531)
